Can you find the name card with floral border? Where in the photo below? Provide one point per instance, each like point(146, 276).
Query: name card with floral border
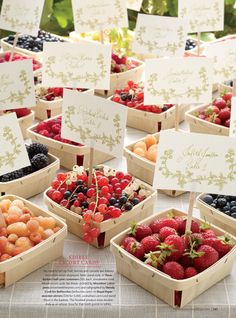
point(134, 4)
point(178, 80)
point(196, 162)
point(92, 15)
point(233, 118)
point(17, 85)
point(76, 65)
point(224, 57)
point(203, 15)
point(160, 36)
point(22, 16)
point(94, 121)
point(13, 154)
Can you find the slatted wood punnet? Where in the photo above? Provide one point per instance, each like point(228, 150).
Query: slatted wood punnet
point(162, 285)
point(108, 228)
point(69, 155)
point(25, 263)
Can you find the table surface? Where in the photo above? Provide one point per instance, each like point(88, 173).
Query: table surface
point(26, 297)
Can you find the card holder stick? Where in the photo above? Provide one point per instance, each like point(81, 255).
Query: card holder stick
point(190, 211)
point(177, 106)
point(91, 163)
point(234, 87)
point(198, 43)
point(14, 46)
point(102, 36)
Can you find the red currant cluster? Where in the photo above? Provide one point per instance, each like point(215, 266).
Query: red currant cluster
point(120, 63)
point(133, 96)
point(17, 57)
point(107, 197)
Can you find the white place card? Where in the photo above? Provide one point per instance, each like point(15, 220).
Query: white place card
point(95, 15)
point(233, 118)
point(22, 16)
point(134, 4)
point(76, 65)
point(224, 57)
point(94, 121)
point(160, 36)
point(203, 15)
point(17, 85)
point(13, 154)
point(196, 162)
point(178, 80)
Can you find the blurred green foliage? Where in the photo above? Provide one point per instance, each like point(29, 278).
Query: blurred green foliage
point(57, 15)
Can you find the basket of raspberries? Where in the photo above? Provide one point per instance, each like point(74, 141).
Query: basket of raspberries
point(173, 265)
point(149, 118)
point(212, 119)
point(34, 179)
point(49, 101)
point(219, 210)
point(29, 239)
point(98, 212)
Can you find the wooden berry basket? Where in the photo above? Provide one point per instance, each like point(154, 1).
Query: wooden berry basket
point(25, 263)
point(69, 155)
point(36, 55)
point(46, 109)
point(143, 168)
point(198, 125)
point(151, 122)
point(108, 228)
point(34, 183)
point(117, 80)
point(162, 285)
point(25, 122)
point(216, 217)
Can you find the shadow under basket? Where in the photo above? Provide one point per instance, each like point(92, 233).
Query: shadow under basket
point(108, 228)
point(33, 183)
point(163, 286)
point(143, 168)
point(45, 252)
point(69, 155)
point(216, 217)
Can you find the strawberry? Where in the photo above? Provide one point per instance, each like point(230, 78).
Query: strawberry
point(195, 238)
point(190, 272)
point(194, 227)
point(126, 241)
point(136, 249)
point(208, 256)
point(156, 236)
point(227, 97)
point(224, 114)
point(174, 270)
point(186, 261)
point(210, 241)
point(21, 112)
point(173, 246)
point(223, 245)
point(220, 103)
point(150, 244)
point(165, 232)
point(208, 233)
point(140, 231)
point(158, 224)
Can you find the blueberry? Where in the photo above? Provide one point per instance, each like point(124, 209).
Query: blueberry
point(233, 203)
point(221, 202)
point(226, 207)
point(207, 199)
point(84, 191)
point(123, 200)
point(233, 209)
point(136, 201)
point(67, 194)
point(84, 204)
point(123, 96)
point(233, 215)
point(227, 212)
point(128, 206)
point(79, 182)
point(117, 205)
point(214, 205)
point(112, 201)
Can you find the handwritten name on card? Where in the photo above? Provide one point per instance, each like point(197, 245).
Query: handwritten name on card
point(92, 15)
point(134, 4)
point(233, 118)
point(203, 15)
point(160, 36)
point(224, 57)
point(94, 121)
point(13, 154)
point(195, 162)
point(21, 16)
point(76, 65)
point(178, 80)
point(16, 85)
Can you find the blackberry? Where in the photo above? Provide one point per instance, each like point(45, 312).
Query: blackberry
point(28, 170)
point(36, 148)
point(39, 161)
point(12, 176)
